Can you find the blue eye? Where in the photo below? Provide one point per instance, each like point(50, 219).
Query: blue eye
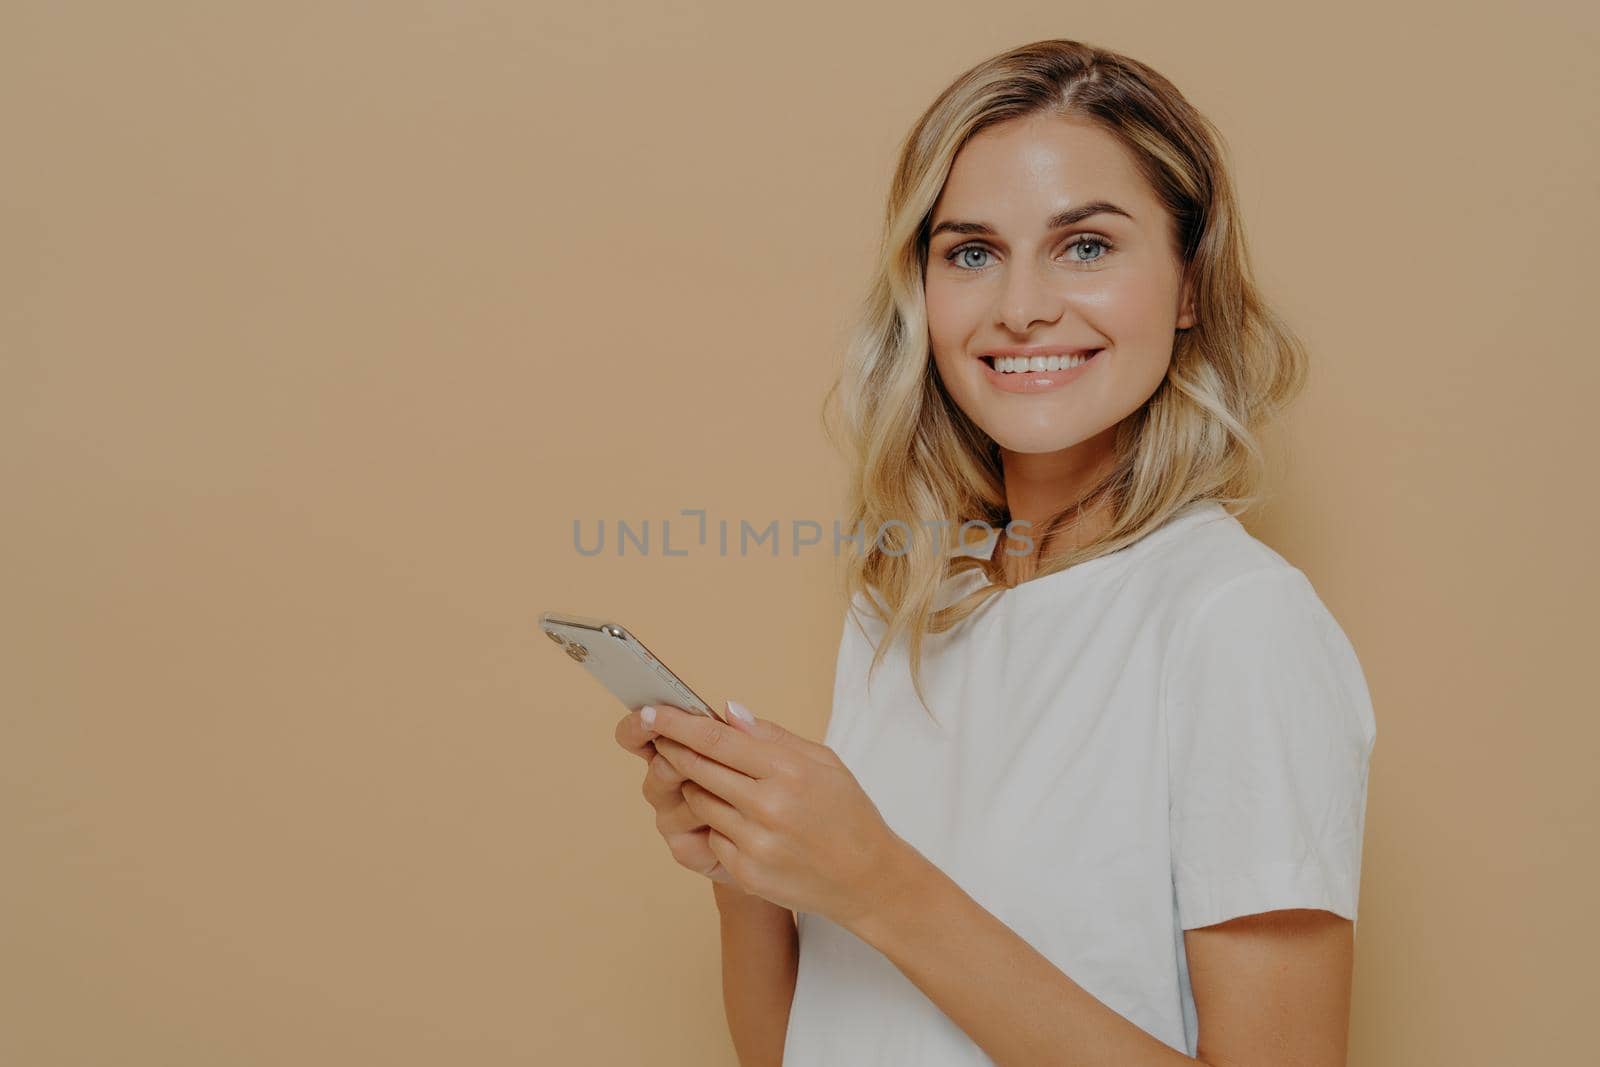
point(1091, 241)
point(967, 248)
point(1081, 241)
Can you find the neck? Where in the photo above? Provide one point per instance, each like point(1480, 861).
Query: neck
point(1039, 484)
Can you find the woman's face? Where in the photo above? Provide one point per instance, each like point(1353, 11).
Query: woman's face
point(1002, 279)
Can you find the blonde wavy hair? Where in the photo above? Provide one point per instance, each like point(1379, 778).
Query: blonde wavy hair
point(917, 460)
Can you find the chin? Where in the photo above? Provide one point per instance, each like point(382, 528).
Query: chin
point(1053, 429)
point(1037, 441)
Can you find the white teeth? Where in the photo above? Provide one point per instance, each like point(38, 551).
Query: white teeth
point(1022, 365)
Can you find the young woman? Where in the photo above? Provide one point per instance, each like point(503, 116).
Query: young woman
point(1093, 787)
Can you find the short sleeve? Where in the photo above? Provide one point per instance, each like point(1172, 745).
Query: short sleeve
point(1269, 732)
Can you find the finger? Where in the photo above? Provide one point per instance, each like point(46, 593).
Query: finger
point(678, 819)
point(716, 813)
point(767, 730)
point(634, 736)
point(728, 784)
point(727, 745)
point(729, 855)
point(662, 783)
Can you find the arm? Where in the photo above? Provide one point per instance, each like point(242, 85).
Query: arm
point(1269, 989)
point(1273, 987)
point(760, 942)
point(760, 958)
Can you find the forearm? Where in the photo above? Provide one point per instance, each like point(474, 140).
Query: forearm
point(1011, 1000)
point(760, 958)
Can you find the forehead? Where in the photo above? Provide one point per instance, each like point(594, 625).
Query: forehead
point(1016, 173)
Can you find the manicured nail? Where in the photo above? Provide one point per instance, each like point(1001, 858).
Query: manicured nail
point(648, 714)
point(741, 712)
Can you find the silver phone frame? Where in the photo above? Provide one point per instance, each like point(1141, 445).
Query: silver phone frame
point(617, 632)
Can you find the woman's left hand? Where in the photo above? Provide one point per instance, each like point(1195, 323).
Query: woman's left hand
point(787, 818)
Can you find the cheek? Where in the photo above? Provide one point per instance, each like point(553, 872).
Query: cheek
point(954, 311)
point(1134, 307)
point(951, 326)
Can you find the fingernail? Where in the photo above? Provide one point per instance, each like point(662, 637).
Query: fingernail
point(648, 714)
point(741, 712)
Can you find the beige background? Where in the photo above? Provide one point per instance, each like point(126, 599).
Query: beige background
point(324, 321)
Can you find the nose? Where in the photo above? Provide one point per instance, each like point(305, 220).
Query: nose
point(1025, 298)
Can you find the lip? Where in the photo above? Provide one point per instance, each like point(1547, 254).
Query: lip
point(1030, 351)
point(1039, 381)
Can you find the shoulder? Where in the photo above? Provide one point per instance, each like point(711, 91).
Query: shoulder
point(1212, 574)
point(1249, 630)
point(1270, 613)
point(1216, 570)
point(1211, 552)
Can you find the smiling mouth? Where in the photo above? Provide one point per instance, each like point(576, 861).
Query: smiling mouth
point(1037, 364)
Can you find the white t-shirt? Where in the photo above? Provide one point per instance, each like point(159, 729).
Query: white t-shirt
point(1162, 738)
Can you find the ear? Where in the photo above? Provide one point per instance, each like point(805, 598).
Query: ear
point(1186, 312)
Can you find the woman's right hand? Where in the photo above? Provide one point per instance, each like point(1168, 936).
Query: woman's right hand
point(687, 838)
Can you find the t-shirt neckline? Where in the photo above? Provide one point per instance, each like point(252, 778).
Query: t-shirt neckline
point(986, 548)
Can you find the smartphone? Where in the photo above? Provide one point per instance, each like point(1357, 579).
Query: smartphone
point(622, 663)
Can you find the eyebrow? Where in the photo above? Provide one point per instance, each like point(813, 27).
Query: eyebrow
point(1057, 221)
